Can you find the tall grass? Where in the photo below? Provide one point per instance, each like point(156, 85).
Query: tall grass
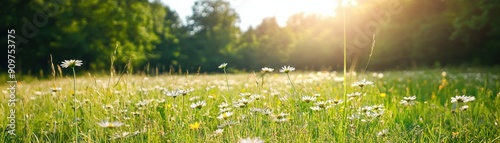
point(151, 116)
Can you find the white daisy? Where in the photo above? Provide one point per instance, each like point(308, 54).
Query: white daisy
point(135, 113)
point(282, 117)
point(465, 107)
point(362, 83)
point(107, 106)
point(287, 69)
point(120, 135)
point(462, 99)
point(38, 93)
point(383, 133)
point(267, 112)
point(71, 63)
point(335, 102)
point(354, 94)
point(251, 140)
point(198, 104)
point(321, 104)
point(256, 97)
point(244, 101)
point(239, 105)
point(172, 93)
point(411, 98)
point(222, 110)
point(142, 103)
point(219, 131)
point(160, 100)
point(223, 65)
point(407, 101)
point(245, 94)
point(366, 109)
point(308, 98)
point(184, 91)
point(194, 98)
point(316, 108)
point(55, 89)
point(266, 69)
point(380, 75)
point(224, 115)
point(106, 124)
point(223, 105)
point(378, 107)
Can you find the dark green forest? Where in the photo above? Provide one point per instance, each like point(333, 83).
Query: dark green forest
point(148, 35)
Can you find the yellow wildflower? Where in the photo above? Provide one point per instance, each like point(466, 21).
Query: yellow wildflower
point(383, 94)
point(194, 126)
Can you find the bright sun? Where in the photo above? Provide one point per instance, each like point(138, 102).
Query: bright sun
point(283, 9)
point(289, 7)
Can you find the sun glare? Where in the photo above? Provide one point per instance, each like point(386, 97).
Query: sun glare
point(346, 3)
point(290, 7)
point(323, 7)
point(283, 9)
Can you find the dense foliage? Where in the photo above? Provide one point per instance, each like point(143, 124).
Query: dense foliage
point(150, 35)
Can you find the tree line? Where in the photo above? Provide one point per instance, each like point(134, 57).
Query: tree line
point(149, 35)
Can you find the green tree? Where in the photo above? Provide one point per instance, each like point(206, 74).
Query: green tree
point(247, 51)
point(476, 26)
point(171, 32)
point(87, 30)
point(274, 43)
point(214, 34)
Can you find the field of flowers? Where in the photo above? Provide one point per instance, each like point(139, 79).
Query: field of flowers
point(265, 106)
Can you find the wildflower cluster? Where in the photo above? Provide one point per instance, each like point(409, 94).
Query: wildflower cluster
point(128, 109)
point(369, 113)
point(224, 111)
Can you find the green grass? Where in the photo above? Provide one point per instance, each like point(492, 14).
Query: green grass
point(46, 116)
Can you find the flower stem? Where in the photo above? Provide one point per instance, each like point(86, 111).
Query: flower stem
point(291, 83)
point(262, 83)
point(74, 100)
point(227, 84)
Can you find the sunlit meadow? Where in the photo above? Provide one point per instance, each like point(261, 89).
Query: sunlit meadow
point(281, 105)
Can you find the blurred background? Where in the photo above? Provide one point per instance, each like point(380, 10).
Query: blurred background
point(152, 36)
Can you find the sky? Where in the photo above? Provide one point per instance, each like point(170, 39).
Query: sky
point(252, 12)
